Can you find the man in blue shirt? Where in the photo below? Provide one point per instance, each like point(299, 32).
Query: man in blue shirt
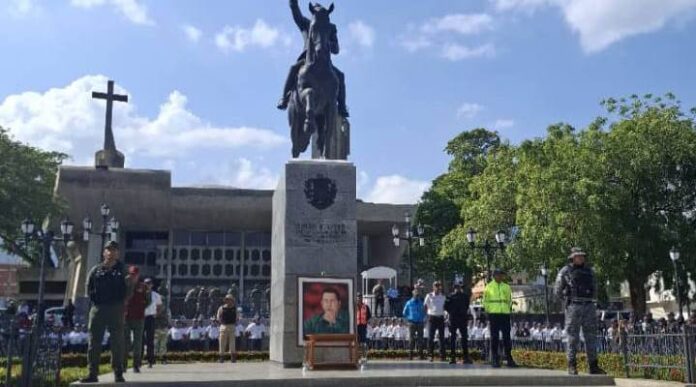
point(414, 313)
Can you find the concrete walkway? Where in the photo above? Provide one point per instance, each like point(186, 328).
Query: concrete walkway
point(376, 373)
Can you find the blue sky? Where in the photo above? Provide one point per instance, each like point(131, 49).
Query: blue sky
point(203, 77)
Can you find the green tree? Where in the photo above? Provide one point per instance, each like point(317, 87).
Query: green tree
point(27, 181)
point(441, 205)
point(650, 189)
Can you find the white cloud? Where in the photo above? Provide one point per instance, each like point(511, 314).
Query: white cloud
point(522, 5)
point(468, 110)
point(68, 120)
point(241, 173)
point(415, 43)
point(601, 23)
point(503, 124)
point(22, 8)
point(237, 38)
point(445, 33)
point(456, 52)
point(193, 34)
point(362, 33)
point(132, 10)
point(465, 24)
point(396, 189)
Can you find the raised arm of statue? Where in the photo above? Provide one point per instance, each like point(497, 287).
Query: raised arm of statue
point(301, 21)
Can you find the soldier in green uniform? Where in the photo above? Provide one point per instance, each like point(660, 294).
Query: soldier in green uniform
point(333, 319)
point(108, 286)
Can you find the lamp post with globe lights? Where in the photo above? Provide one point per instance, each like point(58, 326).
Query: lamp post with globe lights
point(674, 256)
point(410, 235)
point(46, 238)
point(545, 273)
point(488, 248)
point(109, 226)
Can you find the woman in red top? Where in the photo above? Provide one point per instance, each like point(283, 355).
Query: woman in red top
point(135, 319)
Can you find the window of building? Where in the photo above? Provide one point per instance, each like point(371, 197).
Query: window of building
point(198, 239)
point(255, 255)
point(174, 254)
point(183, 270)
point(266, 270)
point(217, 270)
point(255, 270)
point(182, 238)
point(238, 269)
point(233, 239)
point(152, 258)
point(217, 254)
point(195, 269)
point(134, 258)
point(195, 254)
point(229, 270)
point(246, 270)
point(207, 254)
point(183, 254)
point(266, 255)
point(229, 255)
point(216, 239)
point(205, 270)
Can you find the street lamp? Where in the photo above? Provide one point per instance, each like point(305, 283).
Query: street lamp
point(545, 274)
point(47, 238)
point(487, 247)
point(674, 256)
point(409, 236)
point(109, 226)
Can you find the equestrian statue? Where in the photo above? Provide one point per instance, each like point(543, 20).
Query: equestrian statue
point(315, 92)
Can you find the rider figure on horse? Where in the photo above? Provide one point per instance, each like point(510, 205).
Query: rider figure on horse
point(303, 24)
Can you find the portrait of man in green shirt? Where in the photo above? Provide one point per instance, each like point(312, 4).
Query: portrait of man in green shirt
point(332, 319)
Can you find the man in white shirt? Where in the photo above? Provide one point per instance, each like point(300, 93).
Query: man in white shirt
point(195, 335)
point(212, 333)
point(151, 310)
point(255, 332)
point(435, 307)
point(239, 335)
point(176, 336)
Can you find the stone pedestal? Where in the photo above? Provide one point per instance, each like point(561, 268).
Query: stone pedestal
point(109, 158)
point(314, 234)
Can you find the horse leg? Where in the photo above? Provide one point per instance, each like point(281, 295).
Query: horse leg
point(309, 123)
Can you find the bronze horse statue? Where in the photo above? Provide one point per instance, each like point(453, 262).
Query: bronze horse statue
point(312, 109)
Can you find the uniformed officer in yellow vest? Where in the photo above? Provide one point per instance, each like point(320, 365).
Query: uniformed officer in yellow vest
point(497, 301)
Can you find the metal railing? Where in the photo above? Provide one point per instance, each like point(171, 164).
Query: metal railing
point(34, 348)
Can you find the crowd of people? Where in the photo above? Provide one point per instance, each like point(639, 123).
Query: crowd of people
point(128, 315)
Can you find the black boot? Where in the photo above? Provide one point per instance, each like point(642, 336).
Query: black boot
point(572, 368)
point(90, 379)
point(118, 378)
point(595, 370)
point(283, 102)
point(495, 363)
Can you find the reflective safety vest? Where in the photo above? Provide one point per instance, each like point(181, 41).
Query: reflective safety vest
point(497, 298)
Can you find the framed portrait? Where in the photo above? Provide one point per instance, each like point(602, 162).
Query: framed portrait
point(325, 306)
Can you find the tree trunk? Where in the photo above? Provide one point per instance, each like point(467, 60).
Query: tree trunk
point(638, 295)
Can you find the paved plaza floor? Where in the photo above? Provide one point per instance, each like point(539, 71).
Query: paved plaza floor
point(376, 373)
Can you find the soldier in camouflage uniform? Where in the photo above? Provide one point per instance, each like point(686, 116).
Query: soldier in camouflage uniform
point(576, 283)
